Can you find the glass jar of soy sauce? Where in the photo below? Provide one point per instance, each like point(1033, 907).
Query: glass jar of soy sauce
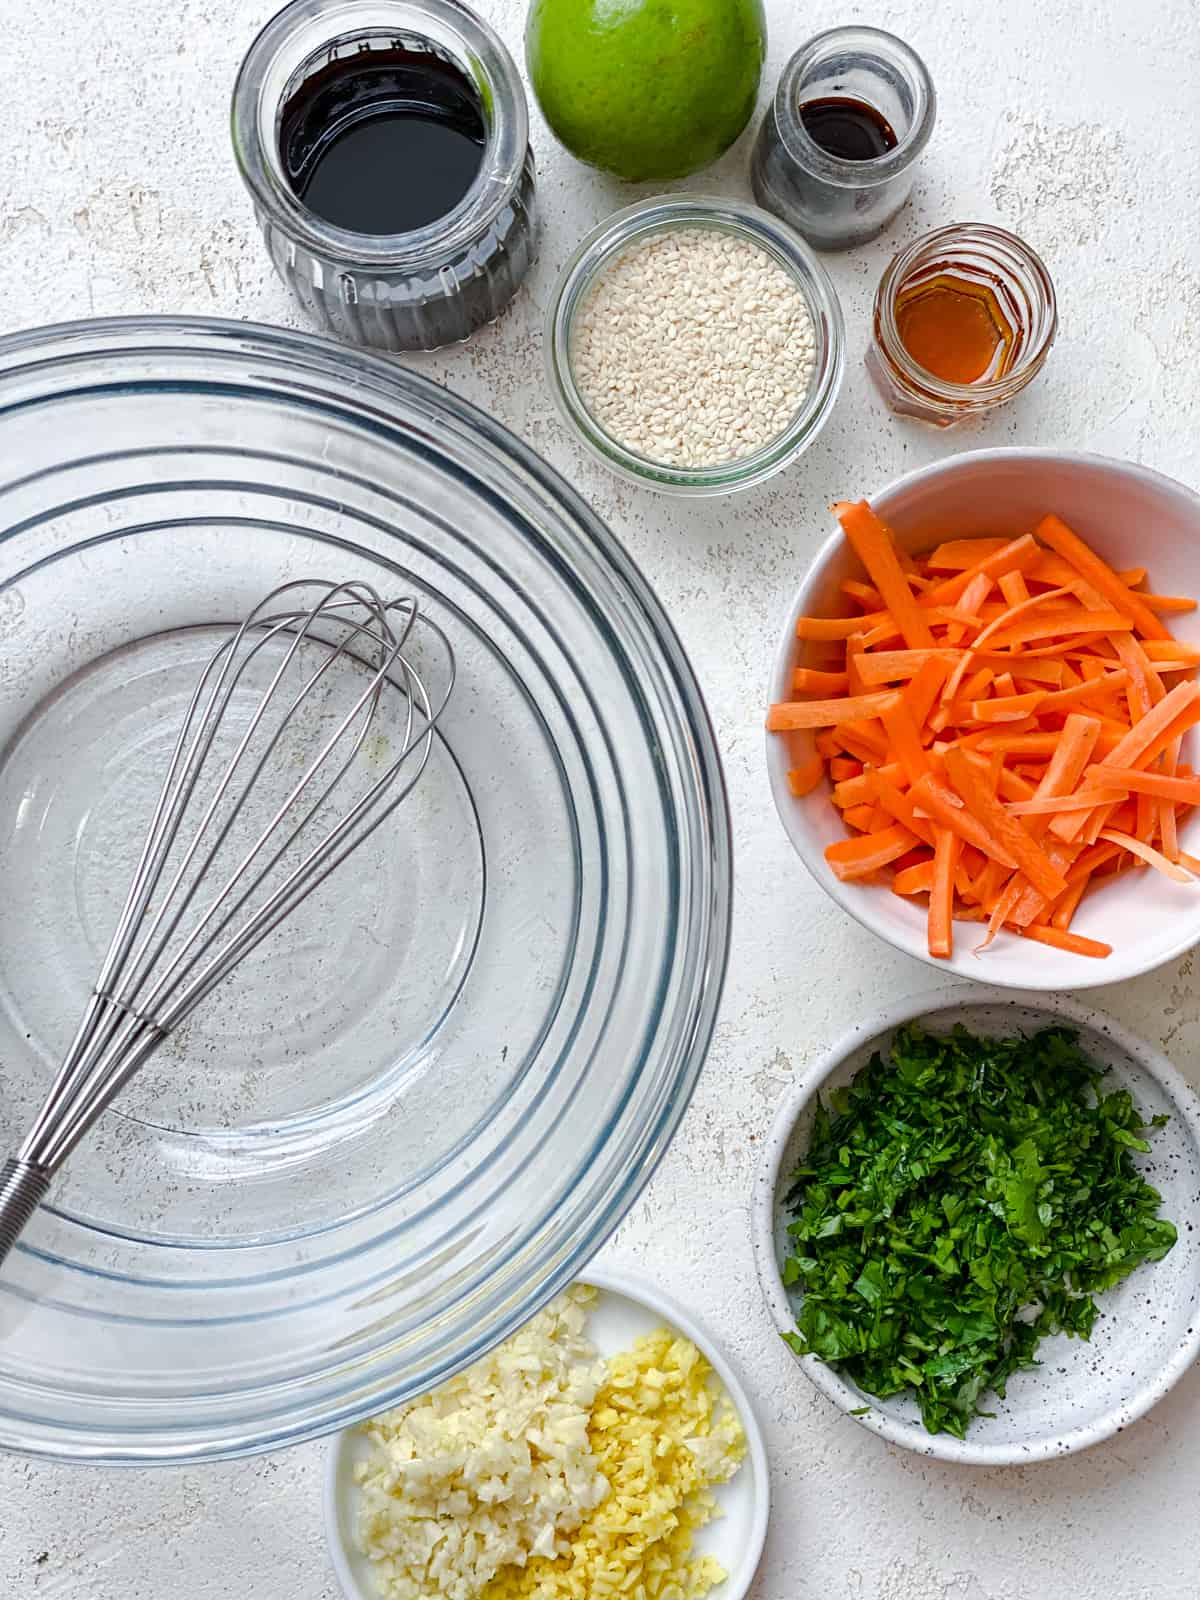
point(835, 155)
point(385, 144)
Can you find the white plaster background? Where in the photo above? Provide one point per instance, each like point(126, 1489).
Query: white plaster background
point(1078, 125)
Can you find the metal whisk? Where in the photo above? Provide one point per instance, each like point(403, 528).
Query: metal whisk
point(285, 725)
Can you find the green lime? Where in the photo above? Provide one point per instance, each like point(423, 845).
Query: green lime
point(646, 88)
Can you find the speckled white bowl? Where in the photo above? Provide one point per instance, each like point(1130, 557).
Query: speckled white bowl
point(1148, 1330)
point(1135, 518)
point(627, 1307)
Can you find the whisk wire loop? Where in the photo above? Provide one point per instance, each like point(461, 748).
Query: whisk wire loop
point(175, 941)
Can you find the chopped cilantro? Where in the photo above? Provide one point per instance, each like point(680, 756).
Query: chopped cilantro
point(958, 1202)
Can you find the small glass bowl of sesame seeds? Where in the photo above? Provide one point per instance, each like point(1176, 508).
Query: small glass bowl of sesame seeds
point(695, 344)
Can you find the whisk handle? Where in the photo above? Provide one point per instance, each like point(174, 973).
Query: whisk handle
point(23, 1186)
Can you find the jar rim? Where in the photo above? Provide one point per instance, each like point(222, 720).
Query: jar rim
point(1000, 243)
point(804, 149)
point(304, 30)
point(658, 214)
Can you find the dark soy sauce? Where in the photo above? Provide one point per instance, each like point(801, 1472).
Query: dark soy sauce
point(849, 129)
point(382, 141)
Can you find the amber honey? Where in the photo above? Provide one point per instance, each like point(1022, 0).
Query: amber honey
point(964, 319)
point(955, 328)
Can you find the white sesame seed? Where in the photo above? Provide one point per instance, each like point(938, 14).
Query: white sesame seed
point(694, 349)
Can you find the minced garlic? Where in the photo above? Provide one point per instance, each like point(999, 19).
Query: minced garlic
point(489, 1468)
point(662, 1439)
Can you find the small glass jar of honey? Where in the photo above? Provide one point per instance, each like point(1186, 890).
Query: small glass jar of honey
point(964, 319)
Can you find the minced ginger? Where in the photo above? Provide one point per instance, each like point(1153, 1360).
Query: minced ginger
point(662, 1435)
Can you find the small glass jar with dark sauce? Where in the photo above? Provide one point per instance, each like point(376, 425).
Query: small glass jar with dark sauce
point(836, 153)
point(385, 144)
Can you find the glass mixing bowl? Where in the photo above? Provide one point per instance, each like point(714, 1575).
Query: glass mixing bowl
point(422, 1104)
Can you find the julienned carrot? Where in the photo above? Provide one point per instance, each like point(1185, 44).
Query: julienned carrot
point(875, 548)
point(968, 658)
point(917, 879)
point(1017, 841)
point(864, 595)
point(901, 807)
point(831, 629)
point(945, 807)
point(1054, 804)
point(1171, 650)
point(791, 715)
point(857, 858)
point(1079, 694)
point(921, 694)
point(1053, 531)
point(1138, 744)
point(1002, 727)
point(808, 680)
point(1061, 940)
point(1006, 707)
point(958, 555)
point(897, 666)
point(861, 817)
point(941, 894)
point(1014, 556)
point(904, 739)
point(1168, 821)
point(804, 778)
point(1185, 791)
point(1148, 854)
point(855, 648)
point(1058, 625)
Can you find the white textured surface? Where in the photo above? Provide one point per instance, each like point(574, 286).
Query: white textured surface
point(1077, 126)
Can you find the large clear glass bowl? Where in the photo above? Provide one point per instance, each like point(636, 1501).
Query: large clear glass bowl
point(425, 1102)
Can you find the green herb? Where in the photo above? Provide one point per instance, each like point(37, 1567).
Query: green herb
point(965, 1198)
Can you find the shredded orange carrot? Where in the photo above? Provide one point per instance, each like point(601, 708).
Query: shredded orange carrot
point(831, 629)
point(861, 817)
point(917, 879)
point(1054, 532)
point(904, 739)
point(1052, 805)
point(945, 807)
point(863, 594)
point(1074, 942)
point(1006, 707)
point(1017, 841)
point(1148, 854)
point(876, 549)
point(1185, 791)
point(1171, 650)
point(901, 807)
point(855, 858)
point(941, 894)
point(1002, 721)
point(804, 779)
point(1013, 556)
point(959, 555)
point(791, 715)
point(808, 680)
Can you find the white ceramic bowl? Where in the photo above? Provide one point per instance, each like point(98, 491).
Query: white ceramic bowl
point(1134, 518)
point(1148, 1331)
point(625, 1309)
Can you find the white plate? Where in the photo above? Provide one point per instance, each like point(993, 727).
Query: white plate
point(624, 1310)
point(1134, 518)
point(1148, 1330)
